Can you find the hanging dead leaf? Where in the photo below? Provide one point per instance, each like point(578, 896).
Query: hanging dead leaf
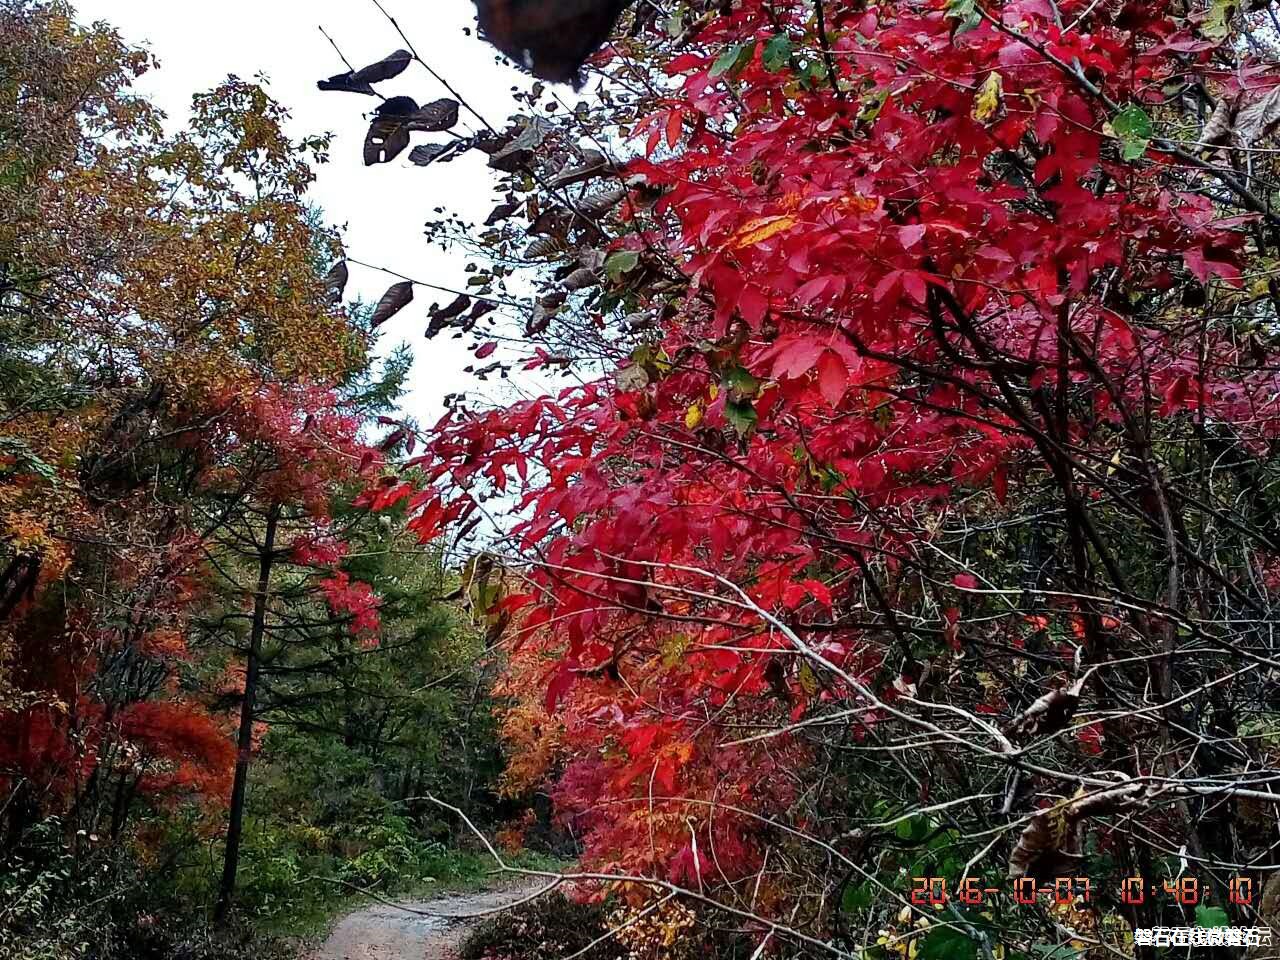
point(501, 212)
point(549, 38)
point(335, 281)
point(581, 279)
point(428, 153)
point(389, 132)
point(387, 68)
point(1052, 842)
point(539, 320)
point(546, 247)
point(1239, 123)
point(345, 83)
point(553, 221)
point(362, 80)
point(1049, 713)
point(1218, 128)
point(1258, 118)
point(520, 143)
point(600, 202)
point(342, 83)
point(456, 309)
point(397, 297)
point(436, 116)
point(595, 165)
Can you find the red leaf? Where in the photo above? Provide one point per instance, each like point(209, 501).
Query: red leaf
point(558, 687)
point(486, 350)
point(674, 128)
point(833, 377)
point(819, 591)
point(1000, 484)
point(752, 304)
point(797, 357)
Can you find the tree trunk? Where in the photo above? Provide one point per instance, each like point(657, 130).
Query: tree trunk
point(231, 858)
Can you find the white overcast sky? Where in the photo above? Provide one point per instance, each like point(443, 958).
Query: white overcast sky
point(383, 208)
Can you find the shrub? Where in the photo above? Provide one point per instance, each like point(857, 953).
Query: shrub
point(548, 928)
point(554, 927)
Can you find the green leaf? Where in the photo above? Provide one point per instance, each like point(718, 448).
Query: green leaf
point(947, 943)
point(871, 105)
point(1217, 24)
point(26, 460)
point(815, 72)
point(741, 416)
point(965, 13)
point(621, 262)
point(777, 53)
point(675, 22)
point(733, 58)
point(739, 383)
point(857, 897)
point(1134, 129)
point(1211, 917)
point(914, 829)
point(724, 63)
point(1056, 951)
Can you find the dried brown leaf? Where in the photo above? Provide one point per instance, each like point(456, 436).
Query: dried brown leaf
point(362, 80)
point(428, 153)
point(596, 166)
point(454, 309)
point(397, 297)
point(388, 67)
point(546, 247)
point(435, 117)
point(1052, 841)
point(600, 202)
point(1259, 118)
point(520, 143)
point(1048, 714)
point(389, 132)
point(1218, 127)
point(501, 212)
point(335, 281)
point(581, 279)
point(344, 83)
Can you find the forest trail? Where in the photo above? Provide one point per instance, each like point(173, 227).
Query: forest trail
point(386, 932)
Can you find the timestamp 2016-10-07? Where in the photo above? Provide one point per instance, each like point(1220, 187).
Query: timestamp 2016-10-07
point(1028, 891)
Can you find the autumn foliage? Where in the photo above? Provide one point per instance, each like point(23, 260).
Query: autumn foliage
point(172, 363)
point(933, 486)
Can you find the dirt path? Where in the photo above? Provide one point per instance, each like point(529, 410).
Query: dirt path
point(381, 932)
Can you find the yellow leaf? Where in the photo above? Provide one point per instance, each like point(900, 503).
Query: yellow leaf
point(987, 102)
point(760, 229)
point(693, 416)
point(809, 684)
point(673, 649)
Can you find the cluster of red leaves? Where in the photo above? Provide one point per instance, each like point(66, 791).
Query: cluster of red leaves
point(846, 250)
point(355, 599)
point(176, 747)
